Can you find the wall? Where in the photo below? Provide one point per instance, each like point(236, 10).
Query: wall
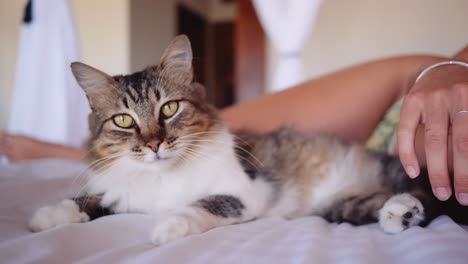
point(152, 26)
point(103, 28)
point(104, 33)
point(349, 32)
point(10, 14)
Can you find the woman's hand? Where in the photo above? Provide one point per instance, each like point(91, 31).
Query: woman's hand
point(437, 103)
point(21, 148)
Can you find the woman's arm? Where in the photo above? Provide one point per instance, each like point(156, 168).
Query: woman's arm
point(348, 103)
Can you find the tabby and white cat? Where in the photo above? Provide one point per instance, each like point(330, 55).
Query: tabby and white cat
point(158, 148)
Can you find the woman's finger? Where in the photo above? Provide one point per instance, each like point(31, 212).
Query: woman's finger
point(410, 116)
point(435, 145)
point(460, 157)
point(460, 143)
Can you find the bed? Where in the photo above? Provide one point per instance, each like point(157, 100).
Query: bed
point(124, 238)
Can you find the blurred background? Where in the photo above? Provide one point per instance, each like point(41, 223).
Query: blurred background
point(233, 56)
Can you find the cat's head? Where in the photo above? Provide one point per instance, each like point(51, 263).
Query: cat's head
point(157, 115)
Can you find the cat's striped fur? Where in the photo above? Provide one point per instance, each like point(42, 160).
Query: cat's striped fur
point(191, 172)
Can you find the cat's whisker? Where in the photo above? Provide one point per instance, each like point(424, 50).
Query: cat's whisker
point(214, 132)
point(200, 154)
point(88, 168)
point(138, 156)
point(105, 158)
point(96, 163)
point(183, 157)
point(192, 153)
point(97, 177)
point(218, 163)
point(92, 180)
point(199, 133)
point(196, 154)
point(179, 157)
point(226, 144)
point(237, 155)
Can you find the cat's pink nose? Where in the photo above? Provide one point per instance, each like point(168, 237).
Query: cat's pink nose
point(153, 145)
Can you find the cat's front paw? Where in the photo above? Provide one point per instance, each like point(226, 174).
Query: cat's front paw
point(171, 228)
point(401, 212)
point(66, 212)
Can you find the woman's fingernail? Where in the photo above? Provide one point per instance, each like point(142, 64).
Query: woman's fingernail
point(442, 193)
point(411, 172)
point(463, 198)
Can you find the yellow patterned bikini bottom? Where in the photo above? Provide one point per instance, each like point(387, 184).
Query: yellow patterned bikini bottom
point(383, 139)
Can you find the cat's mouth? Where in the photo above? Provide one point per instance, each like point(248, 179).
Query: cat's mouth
point(155, 157)
point(160, 158)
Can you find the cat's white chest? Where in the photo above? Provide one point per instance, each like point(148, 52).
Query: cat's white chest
point(127, 188)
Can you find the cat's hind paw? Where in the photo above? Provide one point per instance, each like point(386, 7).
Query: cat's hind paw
point(66, 212)
point(171, 228)
point(400, 212)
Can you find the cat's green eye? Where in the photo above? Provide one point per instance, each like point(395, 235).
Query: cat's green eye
point(170, 108)
point(123, 121)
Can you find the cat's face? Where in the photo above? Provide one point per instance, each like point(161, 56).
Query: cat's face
point(158, 115)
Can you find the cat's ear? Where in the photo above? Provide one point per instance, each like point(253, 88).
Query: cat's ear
point(90, 79)
point(176, 62)
point(98, 86)
point(198, 91)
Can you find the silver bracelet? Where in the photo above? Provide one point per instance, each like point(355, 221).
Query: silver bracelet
point(442, 63)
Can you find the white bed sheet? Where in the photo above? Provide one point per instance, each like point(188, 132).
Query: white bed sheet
point(124, 238)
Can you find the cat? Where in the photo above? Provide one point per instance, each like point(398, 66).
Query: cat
point(158, 148)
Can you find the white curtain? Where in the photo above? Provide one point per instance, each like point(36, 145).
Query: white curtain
point(47, 103)
point(287, 24)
